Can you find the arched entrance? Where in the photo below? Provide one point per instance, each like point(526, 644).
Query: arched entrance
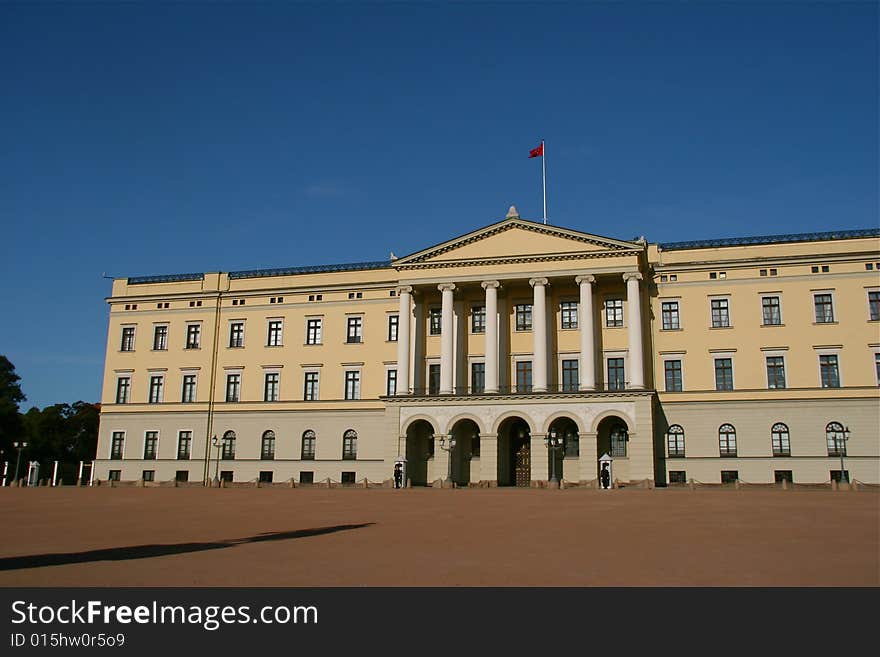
point(612, 437)
point(567, 429)
point(514, 453)
point(419, 448)
point(467, 446)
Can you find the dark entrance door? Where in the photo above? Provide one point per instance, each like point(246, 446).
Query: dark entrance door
point(522, 462)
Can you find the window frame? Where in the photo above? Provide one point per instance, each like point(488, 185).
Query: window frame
point(676, 315)
point(569, 385)
point(519, 365)
point(314, 331)
point(267, 439)
point(720, 357)
point(123, 398)
point(117, 438)
point(435, 320)
point(307, 374)
point(771, 295)
point(478, 311)
point(679, 440)
point(151, 435)
point(606, 307)
point(676, 359)
point(276, 389)
point(274, 332)
point(236, 398)
point(309, 438)
point(355, 380)
point(160, 345)
point(832, 304)
point(393, 334)
point(227, 451)
point(835, 427)
point(354, 329)
point(784, 443)
point(724, 448)
point(567, 309)
point(159, 390)
point(180, 442)
point(233, 323)
point(128, 330)
point(349, 445)
point(868, 292)
point(726, 298)
point(608, 357)
point(837, 369)
point(523, 319)
point(781, 357)
point(192, 398)
point(390, 377)
point(193, 329)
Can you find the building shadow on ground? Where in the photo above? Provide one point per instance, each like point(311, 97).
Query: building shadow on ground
point(149, 551)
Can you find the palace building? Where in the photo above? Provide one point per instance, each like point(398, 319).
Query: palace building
point(514, 355)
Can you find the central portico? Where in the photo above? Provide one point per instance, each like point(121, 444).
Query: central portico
point(501, 335)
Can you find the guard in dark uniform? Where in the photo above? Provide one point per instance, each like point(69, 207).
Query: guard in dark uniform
point(605, 476)
point(398, 475)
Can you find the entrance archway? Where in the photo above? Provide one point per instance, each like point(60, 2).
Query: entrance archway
point(567, 429)
point(514, 453)
point(612, 437)
point(467, 446)
point(419, 448)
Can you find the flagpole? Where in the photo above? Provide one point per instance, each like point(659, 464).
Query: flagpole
point(544, 176)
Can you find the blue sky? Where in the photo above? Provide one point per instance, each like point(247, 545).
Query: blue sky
point(147, 138)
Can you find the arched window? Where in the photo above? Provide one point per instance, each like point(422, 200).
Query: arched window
point(675, 441)
point(835, 438)
point(349, 445)
point(229, 446)
point(308, 445)
point(619, 437)
point(779, 438)
point(267, 450)
point(727, 440)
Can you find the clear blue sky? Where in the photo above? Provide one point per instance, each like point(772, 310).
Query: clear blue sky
point(147, 138)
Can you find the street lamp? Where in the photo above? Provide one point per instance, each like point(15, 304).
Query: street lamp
point(448, 450)
point(218, 444)
point(554, 443)
point(19, 445)
point(841, 449)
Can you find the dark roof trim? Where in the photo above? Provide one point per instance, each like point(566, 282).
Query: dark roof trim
point(310, 269)
point(167, 278)
point(771, 239)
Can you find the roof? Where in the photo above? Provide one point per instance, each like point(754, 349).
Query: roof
point(770, 239)
point(310, 269)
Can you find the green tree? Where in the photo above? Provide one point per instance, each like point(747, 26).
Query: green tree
point(10, 398)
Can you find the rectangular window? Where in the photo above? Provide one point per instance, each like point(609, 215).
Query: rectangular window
point(669, 312)
point(478, 319)
point(478, 378)
point(127, 339)
point(616, 374)
point(828, 371)
point(267, 447)
point(193, 336)
point(729, 476)
point(160, 338)
point(184, 445)
point(524, 376)
point(723, 374)
point(780, 440)
point(568, 314)
point(123, 389)
point(771, 312)
point(775, 372)
point(270, 387)
point(148, 475)
point(783, 475)
point(226, 476)
point(313, 331)
point(393, 324)
point(391, 383)
point(265, 476)
point(233, 387)
point(236, 334)
point(570, 379)
point(433, 379)
point(677, 477)
point(877, 367)
point(435, 320)
point(349, 446)
point(874, 305)
point(720, 313)
point(157, 383)
point(189, 388)
point(614, 313)
point(352, 385)
point(348, 477)
point(114, 475)
point(310, 388)
point(672, 373)
point(824, 308)
point(181, 475)
point(355, 330)
point(306, 477)
point(835, 476)
point(273, 339)
point(151, 443)
point(308, 446)
point(523, 316)
point(117, 445)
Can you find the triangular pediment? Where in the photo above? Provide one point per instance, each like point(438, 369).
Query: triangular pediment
point(516, 239)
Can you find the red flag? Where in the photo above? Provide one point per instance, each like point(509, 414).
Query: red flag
point(537, 152)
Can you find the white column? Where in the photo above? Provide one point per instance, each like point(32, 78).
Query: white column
point(539, 334)
point(491, 288)
point(634, 310)
point(446, 328)
point(404, 294)
point(587, 365)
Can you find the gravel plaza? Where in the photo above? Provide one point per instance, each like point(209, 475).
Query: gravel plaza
point(99, 536)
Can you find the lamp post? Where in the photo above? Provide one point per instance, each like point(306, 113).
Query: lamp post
point(554, 443)
point(841, 449)
point(218, 444)
point(19, 445)
point(448, 450)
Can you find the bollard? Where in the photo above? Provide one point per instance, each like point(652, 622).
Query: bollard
point(785, 484)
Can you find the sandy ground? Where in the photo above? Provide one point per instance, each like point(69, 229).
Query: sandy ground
point(425, 537)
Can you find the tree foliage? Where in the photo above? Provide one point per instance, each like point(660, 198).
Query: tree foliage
point(10, 397)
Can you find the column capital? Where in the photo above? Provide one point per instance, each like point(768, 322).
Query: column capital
point(537, 281)
point(404, 289)
point(632, 275)
point(446, 287)
point(487, 284)
point(585, 278)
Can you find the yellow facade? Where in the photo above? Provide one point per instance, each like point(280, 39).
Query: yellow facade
point(305, 354)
